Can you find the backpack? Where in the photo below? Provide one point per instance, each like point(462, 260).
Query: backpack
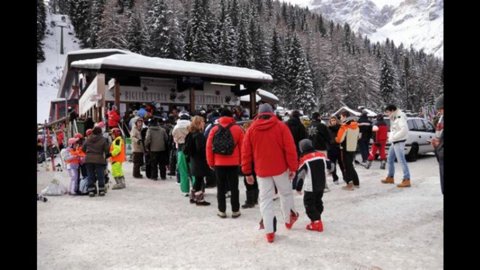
point(189, 146)
point(223, 143)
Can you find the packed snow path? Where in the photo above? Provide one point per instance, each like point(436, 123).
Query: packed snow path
point(150, 225)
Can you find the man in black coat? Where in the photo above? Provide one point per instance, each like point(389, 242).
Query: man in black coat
point(365, 126)
point(298, 130)
point(319, 134)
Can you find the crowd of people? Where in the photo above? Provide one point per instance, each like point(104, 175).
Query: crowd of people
point(211, 148)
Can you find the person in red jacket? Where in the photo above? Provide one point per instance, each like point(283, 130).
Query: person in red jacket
point(113, 118)
point(381, 135)
point(226, 164)
point(269, 144)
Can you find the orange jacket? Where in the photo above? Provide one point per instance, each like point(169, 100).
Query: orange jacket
point(75, 156)
point(347, 135)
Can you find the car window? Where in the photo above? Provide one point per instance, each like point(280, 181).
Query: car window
point(411, 125)
point(429, 126)
point(420, 126)
point(387, 121)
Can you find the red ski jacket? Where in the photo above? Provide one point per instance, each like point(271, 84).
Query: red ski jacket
point(113, 119)
point(269, 144)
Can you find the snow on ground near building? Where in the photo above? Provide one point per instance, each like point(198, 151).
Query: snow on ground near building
point(49, 72)
point(150, 225)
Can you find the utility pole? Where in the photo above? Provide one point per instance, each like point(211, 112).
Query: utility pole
point(62, 24)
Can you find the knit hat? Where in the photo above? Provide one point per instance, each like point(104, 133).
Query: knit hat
point(439, 102)
point(305, 145)
point(265, 107)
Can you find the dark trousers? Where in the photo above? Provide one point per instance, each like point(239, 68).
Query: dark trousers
point(83, 170)
point(313, 204)
point(173, 162)
point(95, 172)
point(349, 172)
point(227, 175)
point(158, 160)
point(363, 144)
point(199, 183)
point(334, 157)
point(251, 187)
point(148, 167)
point(137, 163)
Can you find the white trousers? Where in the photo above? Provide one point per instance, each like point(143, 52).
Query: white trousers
point(267, 185)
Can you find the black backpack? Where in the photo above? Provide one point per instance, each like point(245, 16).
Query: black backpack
point(189, 146)
point(223, 143)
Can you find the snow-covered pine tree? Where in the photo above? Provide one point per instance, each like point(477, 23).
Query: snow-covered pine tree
point(79, 10)
point(227, 48)
point(244, 46)
point(304, 97)
point(112, 33)
point(196, 42)
point(175, 42)
point(293, 61)
point(158, 26)
point(134, 32)
point(95, 16)
point(41, 27)
point(321, 26)
point(235, 13)
point(62, 6)
point(261, 60)
point(278, 63)
point(387, 80)
point(211, 33)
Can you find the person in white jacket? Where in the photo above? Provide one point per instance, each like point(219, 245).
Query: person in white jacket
point(397, 138)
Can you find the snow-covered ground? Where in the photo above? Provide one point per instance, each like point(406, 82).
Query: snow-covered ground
point(150, 225)
point(49, 72)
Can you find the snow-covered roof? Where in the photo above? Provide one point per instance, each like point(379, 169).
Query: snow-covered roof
point(137, 62)
point(87, 51)
point(370, 113)
point(267, 96)
point(246, 98)
point(72, 56)
point(345, 108)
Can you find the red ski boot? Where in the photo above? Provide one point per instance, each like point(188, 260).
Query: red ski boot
point(317, 225)
point(270, 237)
point(293, 219)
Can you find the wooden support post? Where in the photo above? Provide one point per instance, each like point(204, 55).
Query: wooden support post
point(117, 94)
point(253, 103)
point(192, 100)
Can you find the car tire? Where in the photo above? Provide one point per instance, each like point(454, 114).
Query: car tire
point(413, 154)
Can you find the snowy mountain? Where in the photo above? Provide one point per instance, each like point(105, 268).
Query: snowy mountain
point(415, 22)
point(418, 23)
point(49, 72)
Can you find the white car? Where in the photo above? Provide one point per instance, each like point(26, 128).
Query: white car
point(420, 133)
